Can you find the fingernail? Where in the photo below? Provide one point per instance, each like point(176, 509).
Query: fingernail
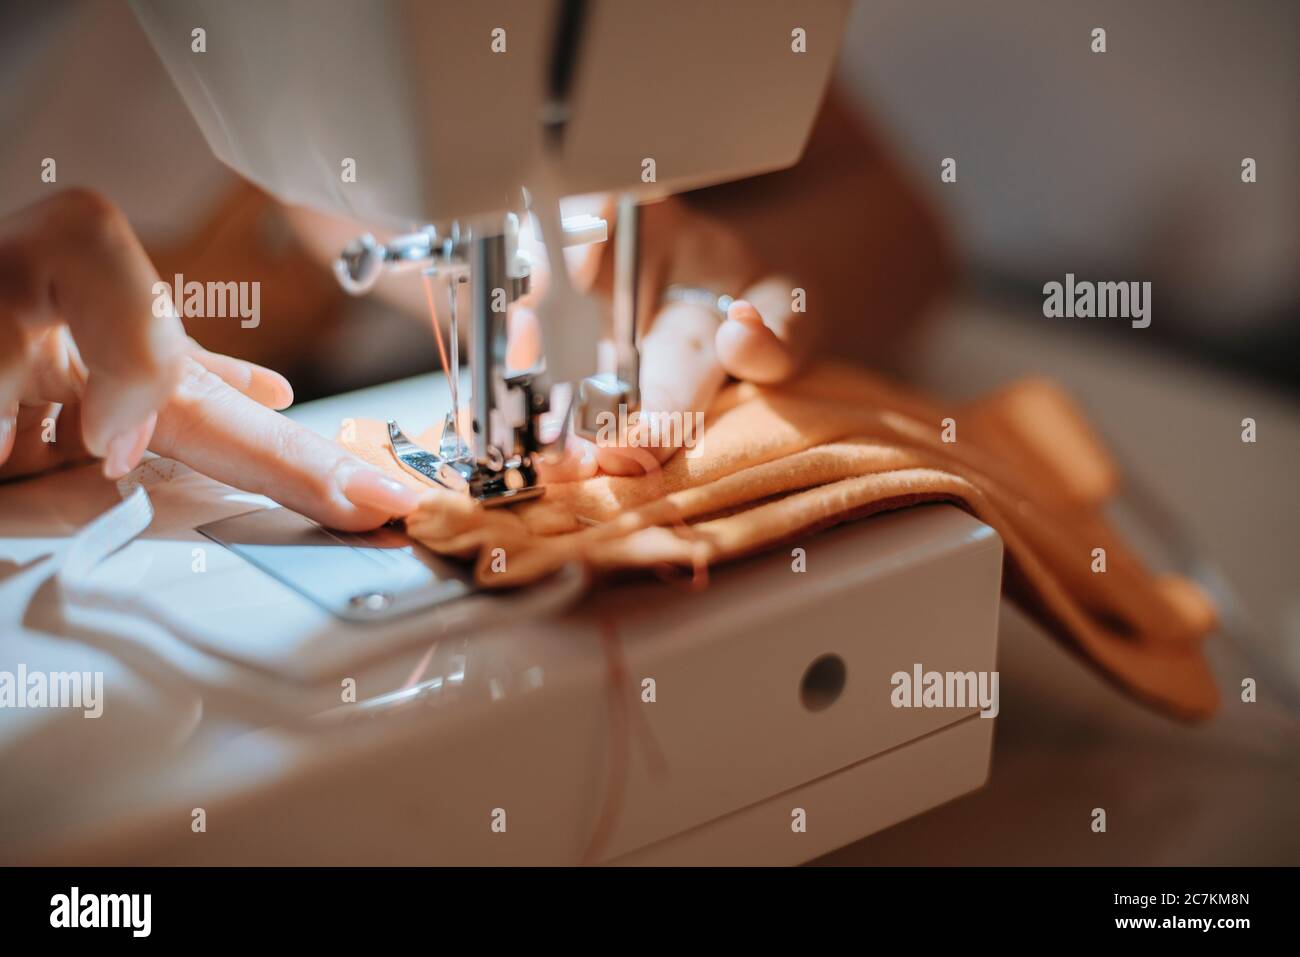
point(280, 387)
point(744, 312)
point(124, 449)
point(368, 488)
point(620, 462)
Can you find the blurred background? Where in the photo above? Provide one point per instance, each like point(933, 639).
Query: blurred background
point(1124, 166)
point(1120, 166)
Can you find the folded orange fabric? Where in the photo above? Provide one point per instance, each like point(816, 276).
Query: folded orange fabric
point(837, 443)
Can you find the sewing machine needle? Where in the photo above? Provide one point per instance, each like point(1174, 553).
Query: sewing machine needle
point(454, 334)
point(451, 370)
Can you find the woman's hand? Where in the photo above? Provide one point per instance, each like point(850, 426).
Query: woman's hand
point(845, 224)
point(687, 350)
point(686, 356)
point(86, 344)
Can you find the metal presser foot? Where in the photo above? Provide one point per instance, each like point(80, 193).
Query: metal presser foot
point(513, 481)
point(494, 461)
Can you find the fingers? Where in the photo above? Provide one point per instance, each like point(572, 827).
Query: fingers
point(55, 370)
point(125, 448)
point(680, 374)
point(79, 262)
point(523, 338)
point(55, 375)
point(13, 362)
point(219, 431)
point(575, 463)
point(45, 438)
point(763, 340)
point(15, 353)
point(260, 384)
point(686, 357)
point(43, 372)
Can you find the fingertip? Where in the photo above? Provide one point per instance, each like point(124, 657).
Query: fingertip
point(577, 462)
point(264, 386)
point(112, 406)
point(369, 489)
point(743, 312)
point(614, 461)
point(628, 461)
point(124, 450)
point(749, 350)
point(275, 390)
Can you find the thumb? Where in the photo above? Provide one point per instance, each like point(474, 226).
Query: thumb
point(763, 339)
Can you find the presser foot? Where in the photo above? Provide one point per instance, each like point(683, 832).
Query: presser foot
point(515, 480)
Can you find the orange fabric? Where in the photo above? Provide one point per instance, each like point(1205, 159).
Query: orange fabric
point(835, 444)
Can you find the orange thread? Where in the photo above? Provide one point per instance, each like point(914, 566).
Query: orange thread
point(437, 326)
point(699, 565)
point(624, 720)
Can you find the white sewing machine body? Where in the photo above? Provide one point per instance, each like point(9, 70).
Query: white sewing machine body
point(254, 725)
point(445, 108)
point(515, 716)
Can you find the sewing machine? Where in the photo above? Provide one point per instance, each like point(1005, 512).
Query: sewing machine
point(748, 722)
point(468, 117)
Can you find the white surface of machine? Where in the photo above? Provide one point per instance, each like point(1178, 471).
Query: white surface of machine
point(772, 695)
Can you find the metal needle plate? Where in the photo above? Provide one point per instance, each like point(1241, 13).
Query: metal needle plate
point(362, 577)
